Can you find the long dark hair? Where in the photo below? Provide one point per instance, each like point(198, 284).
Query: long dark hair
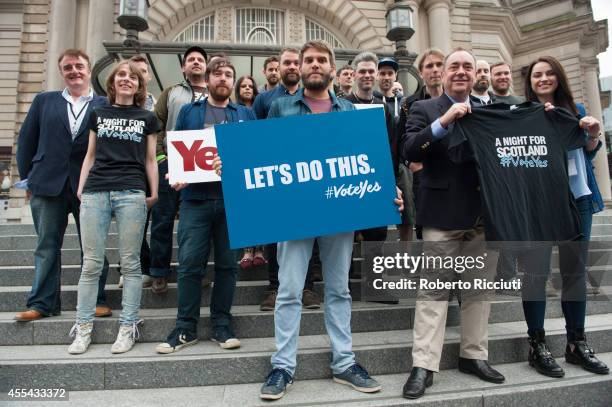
point(563, 94)
point(237, 89)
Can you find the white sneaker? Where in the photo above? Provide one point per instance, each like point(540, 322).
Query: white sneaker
point(126, 338)
point(82, 338)
point(147, 281)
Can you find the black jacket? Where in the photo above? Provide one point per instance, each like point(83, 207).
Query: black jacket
point(46, 154)
point(449, 196)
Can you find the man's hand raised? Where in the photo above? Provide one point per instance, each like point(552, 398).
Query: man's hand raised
point(456, 111)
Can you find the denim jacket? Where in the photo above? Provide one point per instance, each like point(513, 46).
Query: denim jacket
point(296, 105)
point(596, 200)
point(191, 117)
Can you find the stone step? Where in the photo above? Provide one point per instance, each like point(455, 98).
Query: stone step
point(599, 254)
point(602, 225)
point(600, 232)
point(205, 363)
point(247, 293)
point(523, 387)
point(250, 322)
point(11, 276)
point(71, 241)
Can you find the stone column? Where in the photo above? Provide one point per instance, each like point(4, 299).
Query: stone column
point(415, 40)
point(61, 36)
point(99, 27)
point(438, 12)
point(602, 173)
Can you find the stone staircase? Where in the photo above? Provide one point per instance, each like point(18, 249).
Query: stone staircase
point(34, 355)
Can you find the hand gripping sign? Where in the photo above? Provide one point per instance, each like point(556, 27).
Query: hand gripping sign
point(190, 156)
point(306, 176)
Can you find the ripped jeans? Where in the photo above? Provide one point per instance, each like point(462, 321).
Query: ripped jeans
point(130, 213)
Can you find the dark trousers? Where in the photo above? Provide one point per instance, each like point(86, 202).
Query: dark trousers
point(572, 266)
point(50, 215)
point(163, 214)
point(201, 223)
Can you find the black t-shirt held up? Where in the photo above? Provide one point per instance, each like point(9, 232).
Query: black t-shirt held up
point(121, 148)
point(521, 159)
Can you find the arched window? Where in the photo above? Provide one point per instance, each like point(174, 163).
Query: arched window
point(201, 31)
point(260, 26)
point(316, 32)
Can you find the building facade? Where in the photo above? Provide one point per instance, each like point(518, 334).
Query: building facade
point(34, 32)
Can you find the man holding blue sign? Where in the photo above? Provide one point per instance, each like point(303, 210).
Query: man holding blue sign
point(317, 69)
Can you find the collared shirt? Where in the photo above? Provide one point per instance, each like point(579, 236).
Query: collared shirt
point(76, 110)
point(437, 130)
point(296, 105)
point(262, 103)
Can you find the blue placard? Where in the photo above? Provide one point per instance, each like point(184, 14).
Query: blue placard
point(305, 176)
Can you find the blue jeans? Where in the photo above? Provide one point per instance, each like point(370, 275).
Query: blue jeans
point(130, 213)
point(293, 256)
point(50, 215)
point(163, 214)
point(201, 223)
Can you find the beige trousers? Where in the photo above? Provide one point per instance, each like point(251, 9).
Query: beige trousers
point(432, 306)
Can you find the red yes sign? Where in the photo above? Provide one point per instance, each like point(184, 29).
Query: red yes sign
point(202, 157)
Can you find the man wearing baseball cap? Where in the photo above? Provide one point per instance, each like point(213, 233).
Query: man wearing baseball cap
point(167, 108)
point(390, 89)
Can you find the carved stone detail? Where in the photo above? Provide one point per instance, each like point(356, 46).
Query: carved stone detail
point(224, 24)
point(296, 28)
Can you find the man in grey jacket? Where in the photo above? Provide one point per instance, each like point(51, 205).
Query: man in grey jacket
point(164, 212)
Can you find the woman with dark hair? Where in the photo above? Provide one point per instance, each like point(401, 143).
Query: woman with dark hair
point(120, 160)
point(246, 92)
point(547, 83)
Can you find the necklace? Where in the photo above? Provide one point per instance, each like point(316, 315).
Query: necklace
point(364, 101)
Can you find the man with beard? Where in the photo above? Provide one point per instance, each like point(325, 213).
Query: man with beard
point(501, 82)
point(203, 224)
point(317, 67)
point(164, 212)
point(52, 144)
point(389, 93)
point(290, 79)
point(290, 82)
point(270, 71)
point(480, 91)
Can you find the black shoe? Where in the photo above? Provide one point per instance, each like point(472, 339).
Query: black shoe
point(580, 353)
point(480, 368)
point(418, 381)
point(541, 358)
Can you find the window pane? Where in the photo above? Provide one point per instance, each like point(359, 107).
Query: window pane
point(168, 68)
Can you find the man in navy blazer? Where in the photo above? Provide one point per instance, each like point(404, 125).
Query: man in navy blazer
point(450, 211)
point(52, 145)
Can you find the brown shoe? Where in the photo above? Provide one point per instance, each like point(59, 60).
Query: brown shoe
point(159, 285)
point(269, 301)
point(310, 300)
point(29, 315)
point(103, 311)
